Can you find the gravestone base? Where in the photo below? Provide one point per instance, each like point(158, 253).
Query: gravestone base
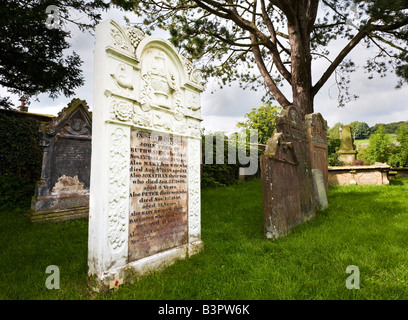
point(59, 215)
point(134, 270)
point(347, 157)
point(61, 207)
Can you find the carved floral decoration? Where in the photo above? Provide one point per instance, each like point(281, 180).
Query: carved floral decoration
point(118, 178)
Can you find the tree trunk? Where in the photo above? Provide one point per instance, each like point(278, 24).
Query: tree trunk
point(302, 17)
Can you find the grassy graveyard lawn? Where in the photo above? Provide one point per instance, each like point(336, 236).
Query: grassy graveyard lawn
point(365, 226)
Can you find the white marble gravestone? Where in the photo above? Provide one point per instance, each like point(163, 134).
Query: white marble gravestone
point(146, 149)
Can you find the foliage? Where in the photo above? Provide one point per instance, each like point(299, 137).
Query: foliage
point(223, 170)
point(20, 151)
point(363, 155)
point(399, 157)
point(278, 40)
point(213, 174)
point(262, 119)
point(334, 132)
point(334, 160)
point(14, 192)
point(379, 148)
point(360, 130)
point(333, 145)
point(390, 128)
point(33, 57)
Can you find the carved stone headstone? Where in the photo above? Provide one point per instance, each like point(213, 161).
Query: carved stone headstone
point(287, 181)
point(318, 144)
point(145, 178)
point(347, 152)
point(63, 190)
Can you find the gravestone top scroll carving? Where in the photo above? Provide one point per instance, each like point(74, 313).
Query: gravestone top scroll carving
point(145, 179)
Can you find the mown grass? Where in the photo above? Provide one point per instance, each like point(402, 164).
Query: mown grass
point(366, 226)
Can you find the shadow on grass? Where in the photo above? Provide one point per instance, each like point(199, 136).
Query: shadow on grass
point(396, 182)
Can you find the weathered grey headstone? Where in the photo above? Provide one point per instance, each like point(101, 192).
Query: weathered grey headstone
point(287, 182)
point(146, 152)
point(63, 190)
point(320, 189)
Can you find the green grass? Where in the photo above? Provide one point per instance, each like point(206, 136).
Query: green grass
point(366, 226)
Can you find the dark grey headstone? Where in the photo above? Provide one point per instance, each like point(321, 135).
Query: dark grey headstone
point(63, 190)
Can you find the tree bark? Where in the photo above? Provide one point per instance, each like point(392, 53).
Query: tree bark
point(300, 24)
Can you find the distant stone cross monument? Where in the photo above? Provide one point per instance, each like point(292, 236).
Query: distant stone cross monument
point(146, 148)
point(347, 153)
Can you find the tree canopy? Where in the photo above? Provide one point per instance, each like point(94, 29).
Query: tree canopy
point(262, 119)
point(360, 130)
point(33, 44)
point(281, 39)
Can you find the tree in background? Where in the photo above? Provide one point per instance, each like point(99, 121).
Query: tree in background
point(379, 148)
point(334, 132)
point(33, 44)
point(360, 130)
point(270, 43)
point(333, 144)
point(262, 119)
point(390, 128)
point(399, 158)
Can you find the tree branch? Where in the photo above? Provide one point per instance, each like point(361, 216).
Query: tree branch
point(340, 57)
point(367, 30)
point(279, 96)
point(233, 15)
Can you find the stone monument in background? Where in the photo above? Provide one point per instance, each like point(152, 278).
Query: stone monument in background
point(146, 152)
point(62, 193)
point(347, 152)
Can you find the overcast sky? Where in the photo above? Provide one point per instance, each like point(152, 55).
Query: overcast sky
point(378, 102)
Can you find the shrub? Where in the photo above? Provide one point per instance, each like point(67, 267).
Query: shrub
point(334, 160)
point(20, 151)
point(217, 175)
point(379, 148)
point(14, 192)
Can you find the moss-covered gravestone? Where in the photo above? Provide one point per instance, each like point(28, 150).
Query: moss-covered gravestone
point(347, 152)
